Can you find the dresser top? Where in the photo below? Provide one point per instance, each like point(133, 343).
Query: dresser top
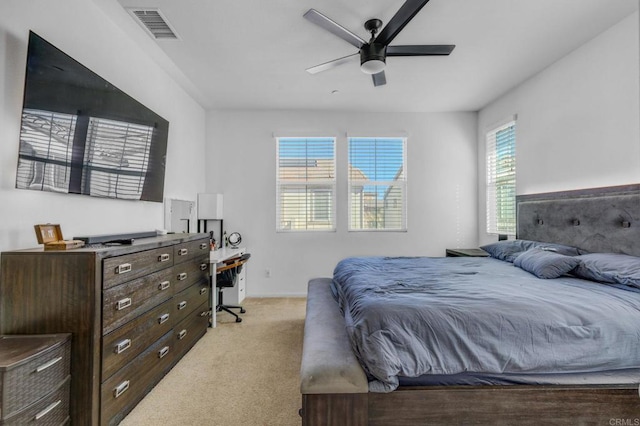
point(18, 349)
point(107, 250)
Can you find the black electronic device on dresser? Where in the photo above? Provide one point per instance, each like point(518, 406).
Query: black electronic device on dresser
point(134, 310)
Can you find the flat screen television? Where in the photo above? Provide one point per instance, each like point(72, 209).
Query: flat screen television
point(82, 135)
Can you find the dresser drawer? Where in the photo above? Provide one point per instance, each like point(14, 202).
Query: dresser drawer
point(190, 272)
point(125, 343)
point(44, 364)
point(120, 269)
point(190, 329)
point(186, 251)
point(121, 392)
point(188, 300)
point(131, 299)
point(51, 410)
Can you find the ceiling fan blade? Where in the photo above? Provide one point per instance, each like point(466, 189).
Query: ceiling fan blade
point(402, 17)
point(423, 50)
point(333, 27)
point(379, 79)
point(332, 64)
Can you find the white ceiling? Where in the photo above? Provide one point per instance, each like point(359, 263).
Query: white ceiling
point(252, 54)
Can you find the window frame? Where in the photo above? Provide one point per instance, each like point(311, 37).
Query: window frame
point(492, 185)
point(395, 183)
point(309, 188)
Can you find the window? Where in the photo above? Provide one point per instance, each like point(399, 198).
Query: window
point(377, 184)
point(46, 141)
point(306, 183)
point(83, 155)
point(116, 158)
point(501, 179)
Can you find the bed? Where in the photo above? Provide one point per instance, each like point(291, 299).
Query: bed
point(582, 366)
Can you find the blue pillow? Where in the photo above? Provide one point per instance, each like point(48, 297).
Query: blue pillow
point(612, 268)
point(507, 250)
point(544, 263)
point(510, 249)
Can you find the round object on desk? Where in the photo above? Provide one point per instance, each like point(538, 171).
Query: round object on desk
point(234, 239)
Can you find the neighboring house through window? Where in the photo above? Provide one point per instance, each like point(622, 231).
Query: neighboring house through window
point(306, 183)
point(377, 184)
point(501, 178)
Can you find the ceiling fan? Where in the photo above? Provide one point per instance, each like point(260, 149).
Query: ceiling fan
point(373, 54)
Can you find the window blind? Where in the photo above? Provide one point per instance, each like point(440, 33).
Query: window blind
point(306, 183)
point(377, 184)
point(116, 168)
point(501, 179)
point(45, 150)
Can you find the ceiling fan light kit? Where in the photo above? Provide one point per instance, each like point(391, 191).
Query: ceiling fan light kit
point(373, 58)
point(373, 55)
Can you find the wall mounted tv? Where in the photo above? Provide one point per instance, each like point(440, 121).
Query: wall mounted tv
point(82, 135)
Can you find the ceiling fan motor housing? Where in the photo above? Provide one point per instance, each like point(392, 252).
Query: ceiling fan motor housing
point(373, 52)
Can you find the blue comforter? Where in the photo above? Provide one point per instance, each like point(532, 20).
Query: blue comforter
point(414, 316)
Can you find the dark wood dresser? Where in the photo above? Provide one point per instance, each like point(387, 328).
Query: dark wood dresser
point(133, 311)
point(34, 379)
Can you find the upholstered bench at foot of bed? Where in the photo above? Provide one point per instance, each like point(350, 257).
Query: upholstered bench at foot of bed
point(332, 383)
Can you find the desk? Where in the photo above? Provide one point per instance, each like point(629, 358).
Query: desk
point(216, 257)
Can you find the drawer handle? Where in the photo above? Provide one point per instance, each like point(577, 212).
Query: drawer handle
point(203, 290)
point(182, 334)
point(205, 313)
point(163, 318)
point(204, 266)
point(123, 346)
point(48, 364)
point(125, 267)
point(182, 252)
point(182, 305)
point(164, 257)
point(121, 388)
point(122, 304)
point(164, 285)
point(47, 410)
point(203, 246)
point(182, 276)
point(162, 352)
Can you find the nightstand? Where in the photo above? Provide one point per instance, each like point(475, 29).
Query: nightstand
point(470, 252)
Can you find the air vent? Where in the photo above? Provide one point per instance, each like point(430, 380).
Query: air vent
point(155, 23)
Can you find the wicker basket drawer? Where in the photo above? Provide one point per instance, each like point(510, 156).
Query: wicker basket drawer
point(191, 329)
point(129, 300)
point(121, 392)
point(186, 251)
point(120, 269)
point(188, 300)
point(52, 410)
point(31, 366)
point(125, 343)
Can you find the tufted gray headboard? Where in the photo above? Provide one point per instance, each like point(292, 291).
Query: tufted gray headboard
point(597, 220)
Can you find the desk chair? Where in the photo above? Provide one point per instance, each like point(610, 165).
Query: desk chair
point(227, 277)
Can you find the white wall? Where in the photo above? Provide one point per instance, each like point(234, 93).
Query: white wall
point(441, 171)
point(82, 30)
point(578, 120)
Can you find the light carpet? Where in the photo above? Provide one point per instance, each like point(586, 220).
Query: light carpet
point(238, 374)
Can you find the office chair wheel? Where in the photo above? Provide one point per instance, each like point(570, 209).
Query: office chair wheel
point(242, 311)
point(238, 319)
